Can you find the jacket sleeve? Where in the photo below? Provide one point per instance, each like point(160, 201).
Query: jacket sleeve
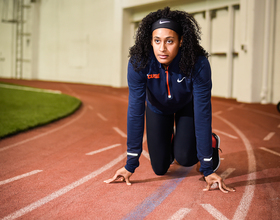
point(202, 85)
point(135, 117)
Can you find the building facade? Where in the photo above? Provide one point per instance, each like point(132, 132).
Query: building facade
point(87, 41)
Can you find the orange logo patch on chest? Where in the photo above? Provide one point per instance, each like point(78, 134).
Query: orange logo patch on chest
point(153, 76)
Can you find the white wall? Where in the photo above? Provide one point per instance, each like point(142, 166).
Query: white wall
point(6, 54)
point(252, 85)
point(87, 41)
point(276, 61)
point(6, 46)
point(77, 41)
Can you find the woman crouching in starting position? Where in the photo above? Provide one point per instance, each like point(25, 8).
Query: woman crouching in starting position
point(170, 71)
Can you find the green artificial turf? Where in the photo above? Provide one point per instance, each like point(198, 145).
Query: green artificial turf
point(22, 109)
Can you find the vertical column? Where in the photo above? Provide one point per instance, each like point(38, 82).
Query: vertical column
point(116, 76)
point(35, 39)
point(244, 25)
point(208, 31)
point(265, 71)
point(230, 50)
point(19, 39)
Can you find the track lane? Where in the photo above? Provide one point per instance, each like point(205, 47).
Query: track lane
point(95, 199)
point(82, 132)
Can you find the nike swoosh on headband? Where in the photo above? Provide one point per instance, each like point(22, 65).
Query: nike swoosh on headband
point(167, 23)
point(180, 80)
point(162, 22)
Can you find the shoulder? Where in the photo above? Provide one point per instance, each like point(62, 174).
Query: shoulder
point(133, 64)
point(202, 69)
point(202, 62)
point(136, 76)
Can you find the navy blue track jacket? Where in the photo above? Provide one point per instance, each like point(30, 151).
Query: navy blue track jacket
point(166, 92)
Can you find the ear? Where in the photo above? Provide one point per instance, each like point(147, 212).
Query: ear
point(181, 41)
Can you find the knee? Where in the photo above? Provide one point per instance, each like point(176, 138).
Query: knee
point(160, 171)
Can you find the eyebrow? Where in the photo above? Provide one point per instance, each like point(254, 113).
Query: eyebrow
point(165, 37)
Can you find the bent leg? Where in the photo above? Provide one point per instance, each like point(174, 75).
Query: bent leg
point(159, 133)
point(184, 140)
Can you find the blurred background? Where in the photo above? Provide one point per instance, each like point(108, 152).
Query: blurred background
point(87, 41)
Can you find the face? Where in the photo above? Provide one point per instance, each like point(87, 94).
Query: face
point(165, 43)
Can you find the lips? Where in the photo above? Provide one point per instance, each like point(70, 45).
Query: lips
point(162, 56)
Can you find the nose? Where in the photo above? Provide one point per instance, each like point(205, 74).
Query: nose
point(162, 47)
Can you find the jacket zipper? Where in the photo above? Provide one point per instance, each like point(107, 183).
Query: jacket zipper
point(167, 82)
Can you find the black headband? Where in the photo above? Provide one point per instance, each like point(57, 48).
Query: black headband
point(167, 23)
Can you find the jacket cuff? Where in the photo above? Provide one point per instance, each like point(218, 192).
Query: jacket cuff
point(208, 172)
point(206, 167)
point(129, 168)
point(132, 162)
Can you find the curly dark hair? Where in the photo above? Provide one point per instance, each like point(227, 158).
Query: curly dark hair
point(190, 48)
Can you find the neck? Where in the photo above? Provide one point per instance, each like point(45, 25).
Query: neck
point(165, 66)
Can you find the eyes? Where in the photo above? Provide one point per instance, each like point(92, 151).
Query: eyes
point(168, 41)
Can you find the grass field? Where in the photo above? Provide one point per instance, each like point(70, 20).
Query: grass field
point(22, 108)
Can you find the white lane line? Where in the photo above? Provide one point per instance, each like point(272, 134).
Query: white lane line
point(214, 212)
point(120, 132)
point(102, 117)
point(248, 195)
point(249, 109)
point(226, 134)
point(29, 88)
point(103, 149)
point(20, 177)
point(71, 91)
point(263, 113)
point(246, 200)
point(227, 172)
point(270, 151)
point(146, 154)
point(64, 190)
point(180, 214)
point(269, 136)
point(117, 98)
point(43, 134)
point(224, 175)
point(217, 113)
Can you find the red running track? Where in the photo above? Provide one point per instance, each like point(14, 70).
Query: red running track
point(57, 171)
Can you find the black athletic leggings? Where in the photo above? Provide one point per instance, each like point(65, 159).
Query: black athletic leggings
point(164, 143)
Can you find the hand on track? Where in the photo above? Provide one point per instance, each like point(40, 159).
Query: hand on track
point(214, 178)
point(122, 174)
